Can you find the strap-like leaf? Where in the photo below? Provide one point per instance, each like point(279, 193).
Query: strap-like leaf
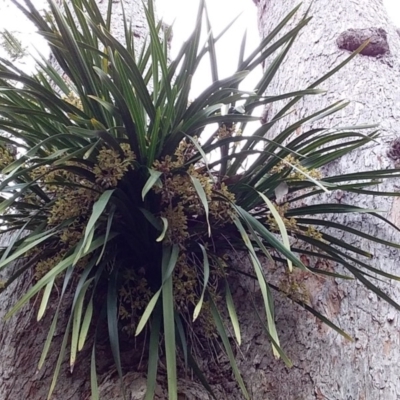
point(169, 326)
point(281, 226)
point(206, 276)
point(153, 354)
point(228, 349)
point(232, 313)
point(154, 179)
point(203, 198)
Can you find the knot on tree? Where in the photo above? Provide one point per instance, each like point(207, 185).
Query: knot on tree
point(394, 150)
point(352, 39)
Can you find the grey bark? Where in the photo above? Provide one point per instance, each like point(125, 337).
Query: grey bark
point(22, 337)
point(326, 366)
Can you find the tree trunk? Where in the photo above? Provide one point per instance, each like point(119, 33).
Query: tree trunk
point(22, 338)
point(326, 366)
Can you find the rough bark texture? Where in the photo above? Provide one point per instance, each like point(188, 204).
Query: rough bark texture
point(21, 343)
point(22, 338)
point(326, 366)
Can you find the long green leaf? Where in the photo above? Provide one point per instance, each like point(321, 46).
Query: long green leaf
point(169, 326)
point(76, 323)
point(228, 349)
point(153, 179)
point(153, 354)
point(112, 324)
point(45, 299)
point(281, 225)
point(93, 375)
point(263, 285)
point(98, 209)
point(206, 276)
point(232, 313)
point(87, 318)
point(203, 198)
point(60, 267)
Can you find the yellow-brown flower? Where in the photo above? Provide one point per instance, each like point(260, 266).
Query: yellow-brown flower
point(111, 167)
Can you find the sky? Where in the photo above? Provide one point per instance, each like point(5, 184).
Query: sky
point(393, 8)
point(182, 13)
